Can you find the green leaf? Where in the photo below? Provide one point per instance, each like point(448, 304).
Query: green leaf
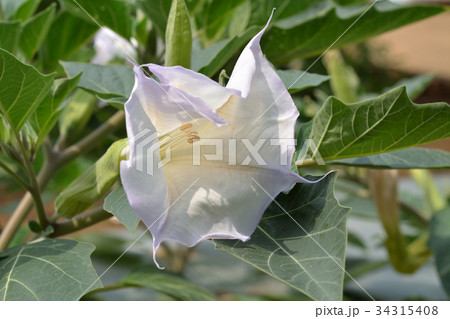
point(92, 185)
point(117, 102)
point(240, 19)
point(178, 36)
point(401, 159)
point(439, 243)
point(308, 253)
point(414, 86)
point(19, 9)
point(35, 31)
point(157, 11)
point(114, 14)
point(66, 35)
point(106, 81)
point(48, 112)
point(296, 81)
point(34, 226)
point(10, 35)
point(209, 61)
point(22, 88)
point(51, 269)
point(166, 283)
point(384, 124)
point(117, 204)
point(310, 32)
point(216, 15)
point(77, 113)
point(261, 10)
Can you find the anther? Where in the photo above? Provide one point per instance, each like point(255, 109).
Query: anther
point(185, 126)
point(192, 139)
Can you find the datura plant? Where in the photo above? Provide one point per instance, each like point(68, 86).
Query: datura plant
point(180, 121)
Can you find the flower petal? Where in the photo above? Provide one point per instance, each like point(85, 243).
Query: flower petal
point(144, 184)
point(244, 71)
point(167, 106)
point(224, 203)
point(267, 111)
point(193, 83)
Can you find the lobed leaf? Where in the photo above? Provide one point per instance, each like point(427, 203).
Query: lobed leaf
point(301, 240)
point(386, 123)
point(51, 269)
point(402, 159)
point(106, 81)
point(22, 88)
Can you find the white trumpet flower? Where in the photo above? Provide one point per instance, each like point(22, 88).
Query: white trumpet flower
point(190, 190)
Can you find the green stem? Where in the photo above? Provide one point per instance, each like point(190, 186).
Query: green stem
point(418, 215)
point(35, 189)
point(55, 161)
point(79, 222)
point(309, 162)
point(112, 124)
point(24, 207)
point(19, 179)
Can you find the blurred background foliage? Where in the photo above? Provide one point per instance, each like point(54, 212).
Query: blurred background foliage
point(399, 226)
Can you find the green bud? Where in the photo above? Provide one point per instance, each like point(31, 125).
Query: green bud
point(178, 35)
point(93, 184)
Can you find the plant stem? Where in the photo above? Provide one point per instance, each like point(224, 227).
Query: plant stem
point(79, 222)
point(418, 215)
point(53, 162)
point(19, 179)
point(24, 207)
point(34, 190)
point(308, 162)
point(112, 124)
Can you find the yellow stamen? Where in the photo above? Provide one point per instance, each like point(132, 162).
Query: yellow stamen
point(193, 139)
point(185, 126)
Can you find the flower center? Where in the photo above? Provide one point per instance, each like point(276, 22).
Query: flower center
point(176, 138)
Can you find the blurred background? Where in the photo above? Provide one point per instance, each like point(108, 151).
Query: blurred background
point(416, 55)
